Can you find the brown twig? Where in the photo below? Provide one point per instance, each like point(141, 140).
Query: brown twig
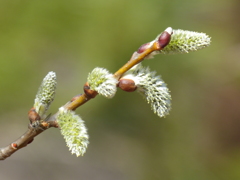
point(25, 139)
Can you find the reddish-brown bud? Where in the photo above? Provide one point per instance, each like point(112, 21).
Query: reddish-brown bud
point(33, 115)
point(165, 38)
point(143, 48)
point(127, 85)
point(90, 93)
point(14, 145)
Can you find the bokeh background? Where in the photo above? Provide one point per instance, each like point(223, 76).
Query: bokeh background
point(199, 140)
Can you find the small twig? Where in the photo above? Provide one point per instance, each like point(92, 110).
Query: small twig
point(21, 142)
point(27, 137)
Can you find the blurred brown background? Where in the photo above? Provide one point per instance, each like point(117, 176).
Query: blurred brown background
point(199, 140)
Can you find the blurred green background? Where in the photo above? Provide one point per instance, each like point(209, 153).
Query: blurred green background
point(199, 140)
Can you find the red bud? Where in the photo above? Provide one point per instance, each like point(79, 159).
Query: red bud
point(14, 145)
point(127, 85)
point(165, 37)
point(33, 115)
point(90, 93)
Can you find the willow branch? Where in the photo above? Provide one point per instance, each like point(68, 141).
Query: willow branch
point(37, 126)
